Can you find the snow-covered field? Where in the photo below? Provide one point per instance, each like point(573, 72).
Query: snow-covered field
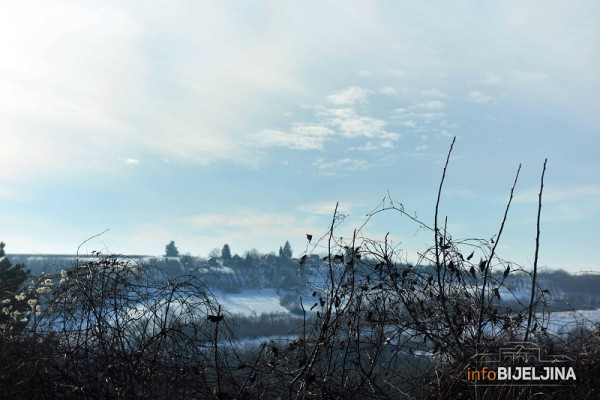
point(563, 322)
point(251, 303)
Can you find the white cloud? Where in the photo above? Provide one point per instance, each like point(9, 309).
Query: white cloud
point(408, 124)
point(276, 138)
point(131, 161)
point(248, 224)
point(390, 136)
point(478, 97)
point(341, 165)
point(79, 79)
point(62, 68)
point(491, 79)
point(180, 81)
point(370, 146)
point(242, 229)
point(552, 194)
point(303, 136)
point(432, 105)
point(326, 208)
point(434, 93)
point(431, 116)
point(565, 212)
point(565, 37)
point(351, 125)
point(312, 130)
point(424, 116)
point(522, 76)
point(349, 96)
point(344, 122)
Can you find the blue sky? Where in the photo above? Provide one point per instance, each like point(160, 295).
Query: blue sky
point(244, 123)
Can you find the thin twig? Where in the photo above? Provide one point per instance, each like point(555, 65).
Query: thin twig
point(251, 370)
point(437, 248)
point(487, 264)
point(217, 367)
point(537, 248)
point(437, 204)
point(85, 241)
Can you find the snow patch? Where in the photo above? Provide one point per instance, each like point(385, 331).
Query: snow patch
point(251, 303)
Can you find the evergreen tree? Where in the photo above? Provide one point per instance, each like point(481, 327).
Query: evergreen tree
point(287, 250)
point(171, 250)
point(12, 279)
point(226, 252)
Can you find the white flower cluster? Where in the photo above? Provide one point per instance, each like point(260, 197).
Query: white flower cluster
point(14, 315)
point(7, 308)
point(21, 315)
point(45, 286)
point(63, 277)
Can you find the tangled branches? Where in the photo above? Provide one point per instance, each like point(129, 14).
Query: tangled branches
point(388, 329)
point(111, 328)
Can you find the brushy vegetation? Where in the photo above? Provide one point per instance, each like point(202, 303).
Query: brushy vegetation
point(373, 327)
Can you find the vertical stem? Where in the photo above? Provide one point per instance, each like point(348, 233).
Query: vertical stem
point(217, 368)
point(437, 245)
point(537, 249)
point(437, 205)
point(331, 277)
point(487, 264)
point(312, 357)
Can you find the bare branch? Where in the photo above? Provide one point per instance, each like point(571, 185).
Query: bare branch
point(537, 249)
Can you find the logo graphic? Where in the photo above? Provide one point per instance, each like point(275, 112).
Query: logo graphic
point(520, 364)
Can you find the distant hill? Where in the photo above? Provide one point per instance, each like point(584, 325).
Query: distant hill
point(255, 272)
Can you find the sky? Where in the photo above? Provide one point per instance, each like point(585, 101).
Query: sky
point(246, 122)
